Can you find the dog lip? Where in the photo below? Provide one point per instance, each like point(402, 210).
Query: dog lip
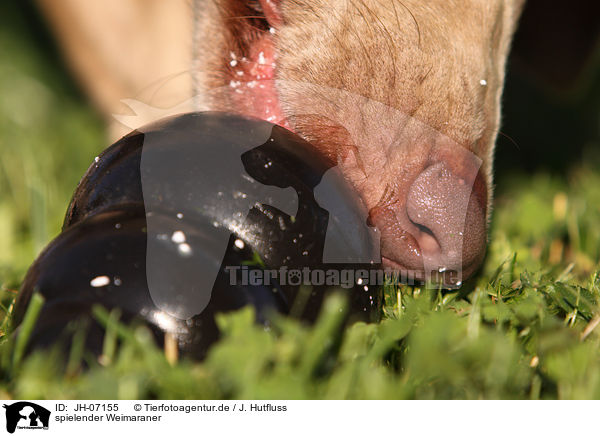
point(388, 263)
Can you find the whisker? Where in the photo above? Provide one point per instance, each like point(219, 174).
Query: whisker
point(510, 139)
point(414, 19)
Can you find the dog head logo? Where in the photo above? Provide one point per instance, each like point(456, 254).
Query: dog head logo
point(26, 415)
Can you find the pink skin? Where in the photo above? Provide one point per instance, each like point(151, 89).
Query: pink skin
point(255, 84)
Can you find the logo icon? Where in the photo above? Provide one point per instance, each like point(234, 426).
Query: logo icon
point(26, 415)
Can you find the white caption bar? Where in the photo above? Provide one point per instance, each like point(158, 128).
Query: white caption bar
point(295, 417)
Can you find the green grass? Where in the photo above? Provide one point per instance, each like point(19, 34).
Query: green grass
point(527, 327)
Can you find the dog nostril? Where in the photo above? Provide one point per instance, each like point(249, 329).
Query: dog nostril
point(424, 229)
point(427, 240)
point(449, 222)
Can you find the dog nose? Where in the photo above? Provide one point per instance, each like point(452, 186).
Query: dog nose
point(449, 221)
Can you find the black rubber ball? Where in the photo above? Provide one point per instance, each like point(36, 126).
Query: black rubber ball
point(170, 222)
point(103, 260)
